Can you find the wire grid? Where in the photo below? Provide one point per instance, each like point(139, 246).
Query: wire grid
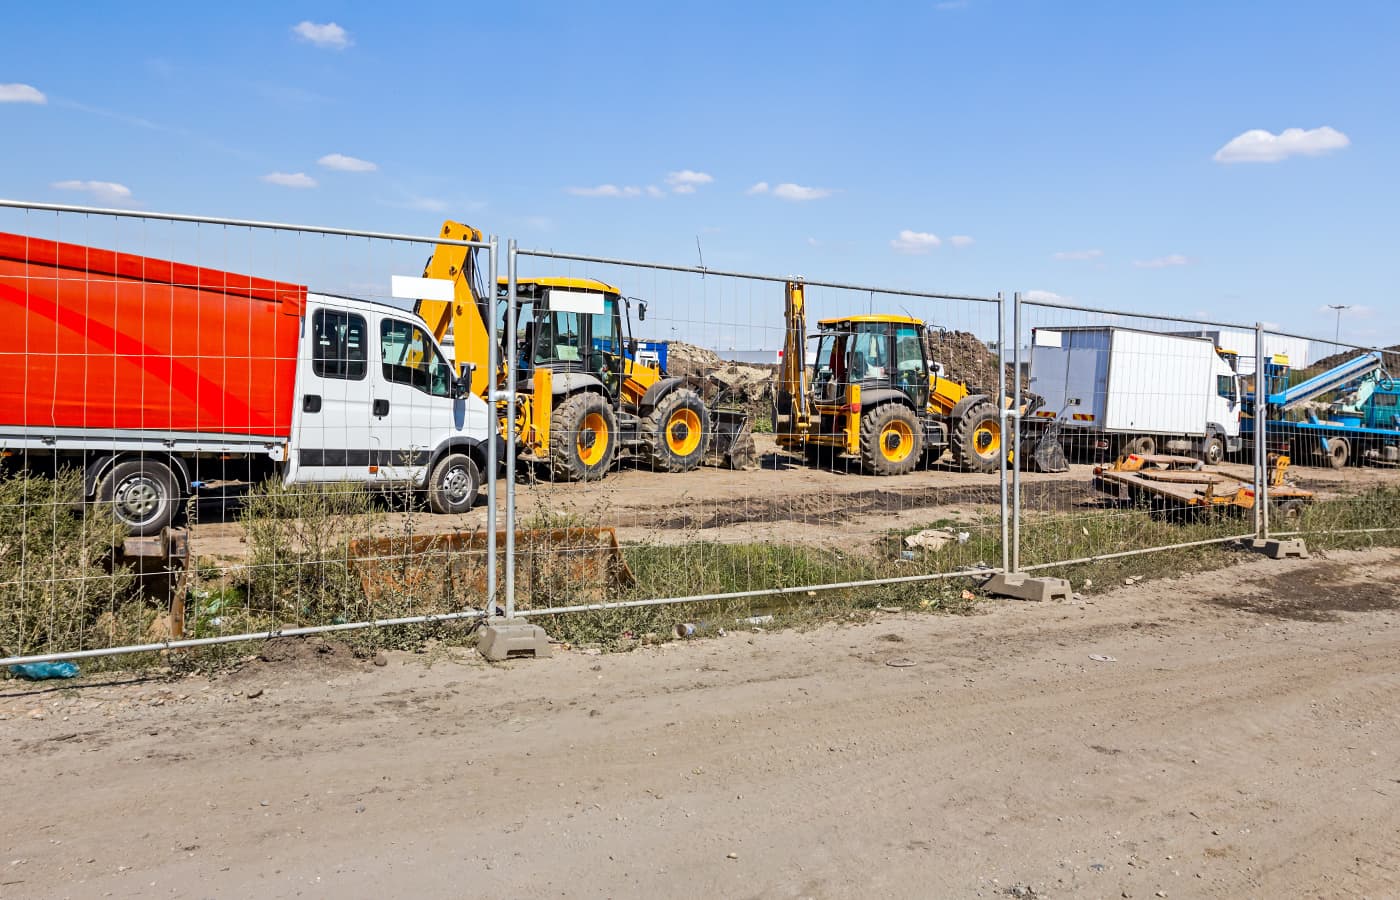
point(1343, 444)
point(787, 530)
point(1119, 384)
point(123, 376)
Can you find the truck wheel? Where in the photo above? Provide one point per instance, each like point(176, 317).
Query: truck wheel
point(1213, 451)
point(1142, 445)
point(677, 431)
point(891, 441)
point(582, 438)
point(453, 484)
point(976, 439)
point(141, 494)
point(1338, 452)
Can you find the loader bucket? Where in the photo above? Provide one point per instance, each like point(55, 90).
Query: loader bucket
point(731, 441)
point(448, 571)
point(1049, 453)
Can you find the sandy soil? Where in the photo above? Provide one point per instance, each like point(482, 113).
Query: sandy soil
point(1243, 741)
point(784, 500)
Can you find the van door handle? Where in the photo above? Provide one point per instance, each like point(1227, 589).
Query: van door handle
point(311, 403)
point(381, 408)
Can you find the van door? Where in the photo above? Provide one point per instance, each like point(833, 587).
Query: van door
point(412, 399)
point(331, 441)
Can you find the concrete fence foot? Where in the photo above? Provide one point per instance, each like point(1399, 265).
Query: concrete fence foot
point(512, 638)
point(1294, 549)
point(1023, 587)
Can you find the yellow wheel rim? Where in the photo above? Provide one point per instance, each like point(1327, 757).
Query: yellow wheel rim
point(593, 439)
point(683, 432)
point(986, 438)
point(896, 441)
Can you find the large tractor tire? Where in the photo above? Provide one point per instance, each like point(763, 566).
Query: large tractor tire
point(141, 494)
point(976, 439)
point(582, 438)
point(891, 440)
point(677, 431)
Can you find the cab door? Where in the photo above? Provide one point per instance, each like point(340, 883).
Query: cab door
point(332, 439)
point(412, 405)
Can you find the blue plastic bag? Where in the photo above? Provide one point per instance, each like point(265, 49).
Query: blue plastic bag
point(42, 670)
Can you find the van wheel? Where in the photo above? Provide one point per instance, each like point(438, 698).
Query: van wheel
point(582, 438)
point(453, 484)
point(141, 494)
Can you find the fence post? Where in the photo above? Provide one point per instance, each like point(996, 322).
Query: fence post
point(513, 363)
point(1016, 435)
point(1261, 449)
point(1004, 417)
point(493, 462)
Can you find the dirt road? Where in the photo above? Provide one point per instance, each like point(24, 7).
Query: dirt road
point(1244, 741)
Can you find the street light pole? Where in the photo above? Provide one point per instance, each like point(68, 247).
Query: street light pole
point(1337, 338)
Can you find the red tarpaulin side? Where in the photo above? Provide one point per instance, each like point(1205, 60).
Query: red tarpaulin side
point(92, 338)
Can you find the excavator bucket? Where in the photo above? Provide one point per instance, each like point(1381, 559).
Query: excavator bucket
point(731, 442)
point(448, 571)
point(1049, 454)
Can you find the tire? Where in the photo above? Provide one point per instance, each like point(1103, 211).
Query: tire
point(891, 441)
point(677, 432)
point(453, 484)
point(1213, 451)
point(1142, 445)
point(141, 494)
point(582, 438)
point(1338, 453)
point(976, 439)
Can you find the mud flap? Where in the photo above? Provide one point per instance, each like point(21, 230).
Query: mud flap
point(731, 441)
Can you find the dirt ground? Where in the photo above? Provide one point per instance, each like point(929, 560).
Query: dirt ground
point(1229, 734)
point(783, 500)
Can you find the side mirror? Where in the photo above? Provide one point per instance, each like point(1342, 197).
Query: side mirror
point(462, 385)
point(632, 348)
point(641, 310)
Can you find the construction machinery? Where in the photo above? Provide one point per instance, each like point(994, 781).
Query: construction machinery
point(1184, 486)
point(874, 394)
point(1362, 423)
point(584, 399)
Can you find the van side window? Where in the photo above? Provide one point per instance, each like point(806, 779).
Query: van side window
point(340, 349)
point(410, 358)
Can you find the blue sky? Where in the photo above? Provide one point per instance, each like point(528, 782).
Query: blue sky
point(1060, 147)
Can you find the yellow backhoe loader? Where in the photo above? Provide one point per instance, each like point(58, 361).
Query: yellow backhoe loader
point(583, 399)
point(874, 394)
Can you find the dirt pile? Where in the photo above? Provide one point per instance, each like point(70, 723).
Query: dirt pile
point(965, 357)
point(1391, 356)
point(743, 384)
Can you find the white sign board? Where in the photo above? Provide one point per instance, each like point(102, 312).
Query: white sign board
point(406, 287)
point(1045, 338)
point(582, 302)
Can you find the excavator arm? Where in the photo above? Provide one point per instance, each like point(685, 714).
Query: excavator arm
point(792, 417)
point(466, 313)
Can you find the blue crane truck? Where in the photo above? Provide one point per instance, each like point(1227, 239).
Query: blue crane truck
point(1362, 425)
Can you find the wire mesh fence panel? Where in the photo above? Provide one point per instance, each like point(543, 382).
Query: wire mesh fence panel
point(1143, 417)
point(756, 445)
point(213, 430)
point(1334, 413)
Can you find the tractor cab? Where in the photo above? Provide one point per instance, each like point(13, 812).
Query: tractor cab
point(570, 326)
point(873, 353)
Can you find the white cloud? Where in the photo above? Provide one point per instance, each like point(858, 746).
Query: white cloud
point(657, 193)
point(21, 93)
point(105, 191)
point(329, 35)
point(1038, 296)
point(1078, 255)
point(1162, 262)
point(961, 240)
point(290, 179)
point(760, 188)
point(1258, 145)
point(799, 193)
point(687, 180)
point(342, 163)
point(915, 243)
point(605, 190)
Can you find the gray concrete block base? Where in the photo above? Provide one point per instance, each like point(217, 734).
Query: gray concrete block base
point(1294, 549)
point(1024, 587)
point(512, 638)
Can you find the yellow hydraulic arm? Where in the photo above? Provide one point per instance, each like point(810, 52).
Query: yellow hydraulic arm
point(794, 416)
point(465, 313)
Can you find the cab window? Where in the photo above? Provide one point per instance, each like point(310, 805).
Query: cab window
point(410, 358)
point(339, 349)
point(1225, 386)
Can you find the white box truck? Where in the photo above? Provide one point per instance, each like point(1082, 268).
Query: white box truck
point(1122, 390)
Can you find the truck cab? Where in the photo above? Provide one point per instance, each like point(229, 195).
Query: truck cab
point(377, 401)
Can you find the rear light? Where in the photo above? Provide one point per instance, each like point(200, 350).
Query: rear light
point(853, 408)
point(1100, 445)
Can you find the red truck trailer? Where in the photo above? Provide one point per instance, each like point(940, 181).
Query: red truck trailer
point(152, 376)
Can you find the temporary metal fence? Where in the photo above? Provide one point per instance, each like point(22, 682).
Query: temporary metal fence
point(280, 537)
